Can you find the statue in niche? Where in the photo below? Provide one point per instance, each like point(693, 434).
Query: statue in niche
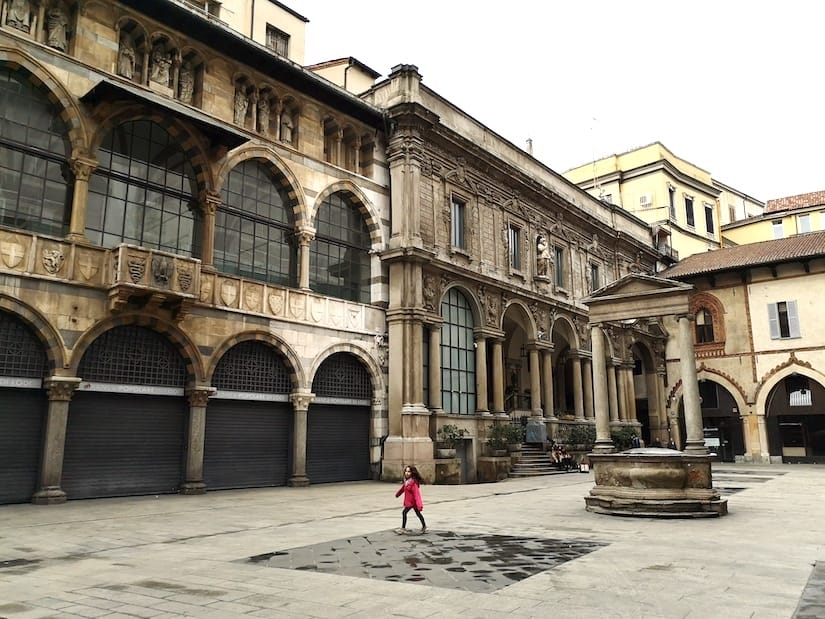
point(241, 105)
point(57, 24)
point(161, 62)
point(263, 115)
point(126, 57)
point(19, 16)
point(186, 82)
point(286, 127)
point(543, 258)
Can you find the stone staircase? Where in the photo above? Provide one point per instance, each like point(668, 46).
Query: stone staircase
point(534, 461)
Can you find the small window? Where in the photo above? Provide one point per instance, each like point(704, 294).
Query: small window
point(595, 280)
point(515, 247)
point(731, 212)
point(783, 320)
point(704, 327)
point(709, 226)
point(778, 230)
point(803, 224)
point(458, 209)
point(277, 40)
point(558, 255)
point(689, 212)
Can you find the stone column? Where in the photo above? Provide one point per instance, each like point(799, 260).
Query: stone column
point(621, 387)
point(304, 236)
point(547, 382)
point(613, 394)
point(193, 477)
point(435, 367)
point(498, 376)
point(300, 403)
point(578, 389)
point(604, 444)
point(481, 374)
point(210, 204)
point(535, 383)
point(60, 390)
point(339, 148)
point(631, 394)
point(695, 440)
point(764, 448)
point(82, 167)
point(587, 374)
point(357, 157)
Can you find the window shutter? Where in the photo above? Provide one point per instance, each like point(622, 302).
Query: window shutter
point(793, 319)
point(773, 320)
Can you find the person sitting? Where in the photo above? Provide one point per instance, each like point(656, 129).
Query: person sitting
point(566, 460)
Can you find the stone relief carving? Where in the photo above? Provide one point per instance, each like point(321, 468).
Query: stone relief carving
point(276, 302)
point(19, 15)
point(287, 127)
point(540, 315)
point(161, 270)
point(53, 260)
point(161, 62)
point(137, 267)
point(240, 105)
point(229, 292)
point(87, 265)
point(381, 348)
point(185, 274)
point(430, 292)
point(57, 27)
point(186, 83)
point(12, 252)
point(126, 56)
point(544, 259)
point(206, 290)
point(263, 115)
point(252, 298)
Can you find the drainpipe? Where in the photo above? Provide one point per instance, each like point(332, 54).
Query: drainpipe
point(252, 22)
point(349, 66)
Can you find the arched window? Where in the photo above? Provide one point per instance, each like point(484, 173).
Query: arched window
point(35, 182)
point(704, 327)
point(458, 358)
point(254, 229)
point(142, 192)
point(339, 259)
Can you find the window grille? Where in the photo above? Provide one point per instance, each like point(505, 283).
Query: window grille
point(254, 367)
point(133, 355)
point(21, 354)
point(342, 376)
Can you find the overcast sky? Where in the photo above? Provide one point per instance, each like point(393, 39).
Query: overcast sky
point(734, 87)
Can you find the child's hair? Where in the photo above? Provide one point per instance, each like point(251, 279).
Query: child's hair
point(415, 474)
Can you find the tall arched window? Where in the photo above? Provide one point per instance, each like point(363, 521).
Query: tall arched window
point(142, 191)
point(458, 357)
point(254, 229)
point(35, 182)
point(339, 259)
point(704, 326)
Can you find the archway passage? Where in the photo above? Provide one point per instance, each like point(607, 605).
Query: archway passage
point(795, 417)
point(338, 421)
point(721, 422)
point(22, 409)
point(125, 432)
point(249, 420)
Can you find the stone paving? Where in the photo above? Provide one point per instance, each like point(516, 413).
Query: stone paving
point(518, 548)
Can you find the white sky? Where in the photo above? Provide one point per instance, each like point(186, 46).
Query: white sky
point(734, 87)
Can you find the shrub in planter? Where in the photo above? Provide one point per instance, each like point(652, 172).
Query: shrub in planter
point(497, 437)
point(623, 437)
point(579, 434)
point(514, 434)
point(449, 435)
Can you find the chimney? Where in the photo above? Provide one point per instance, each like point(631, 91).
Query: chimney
point(530, 146)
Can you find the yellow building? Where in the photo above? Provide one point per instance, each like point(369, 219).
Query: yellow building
point(782, 218)
point(682, 202)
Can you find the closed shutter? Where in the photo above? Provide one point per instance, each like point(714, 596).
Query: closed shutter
point(773, 321)
point(21, 433)
point(246, 444)
point(123, 444)
point(338, 443)
point(793, 319)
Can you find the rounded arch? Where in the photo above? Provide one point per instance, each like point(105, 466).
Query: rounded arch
point(733, 388)
point(524, 317)
point(362, 355)
point(645, 353)
point(57, 94)
point(53, 344)
point(564, 326)
point(189, 351)
point(357, 197)
point(778, 375)
point(709, 302)
point(280, 171)
point(296, 371)
point(472, 300)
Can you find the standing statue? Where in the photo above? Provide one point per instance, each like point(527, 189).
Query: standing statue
point(241, 105)
point(263, 115)
point(57, 24)
point(186, 83)
point(126, 57)
point(543, 258)
point(161, 62)
point(286, 128)
point(19, 15)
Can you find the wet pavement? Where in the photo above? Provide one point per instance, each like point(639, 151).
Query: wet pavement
point(518, 548)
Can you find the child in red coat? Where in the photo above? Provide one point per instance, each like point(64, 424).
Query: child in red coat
point(412, 498)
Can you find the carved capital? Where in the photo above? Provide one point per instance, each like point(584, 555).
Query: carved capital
point(211, 202)
point(61, 388)
point(82, 167)
point(305, 236)
point(301, 400)
point(200, 396)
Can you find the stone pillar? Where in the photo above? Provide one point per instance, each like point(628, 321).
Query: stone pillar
point(498, 376)
point(612, 393)
point(621, 387)
point(764, 448)
point(300, 404)
point(631, 394)
point(587, 374)
point(695, 440)
point(277, 110)
point(210, 204)
point(435, 367)
point(578, 389)
point(604, 444)
point(82, 167)
point(193, 477)
point(339, 148)
point(304, 237)
point(535, 383)
point(357, 155)
point(60, 390)
point(481, 374)
point(547, 382)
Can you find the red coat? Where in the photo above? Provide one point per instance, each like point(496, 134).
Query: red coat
point(412, 495)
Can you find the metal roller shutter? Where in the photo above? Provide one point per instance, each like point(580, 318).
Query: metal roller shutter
point(22, 412)
point(123, 444)
point(246, 444)
point(338, 443)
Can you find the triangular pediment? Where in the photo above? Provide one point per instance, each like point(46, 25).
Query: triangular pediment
point(638, 296)
point(636, 284)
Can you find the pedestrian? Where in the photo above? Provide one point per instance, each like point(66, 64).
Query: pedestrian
point(412, 498)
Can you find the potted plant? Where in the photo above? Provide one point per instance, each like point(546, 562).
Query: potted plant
point(448, 437)
point(515, 436)
point(497, 439)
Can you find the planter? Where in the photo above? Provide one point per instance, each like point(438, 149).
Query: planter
point(445, 452)
point(513, 447)
point(500, 453)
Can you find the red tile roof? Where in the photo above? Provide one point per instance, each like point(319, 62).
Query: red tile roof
point(803, 200)
point(801, 247)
